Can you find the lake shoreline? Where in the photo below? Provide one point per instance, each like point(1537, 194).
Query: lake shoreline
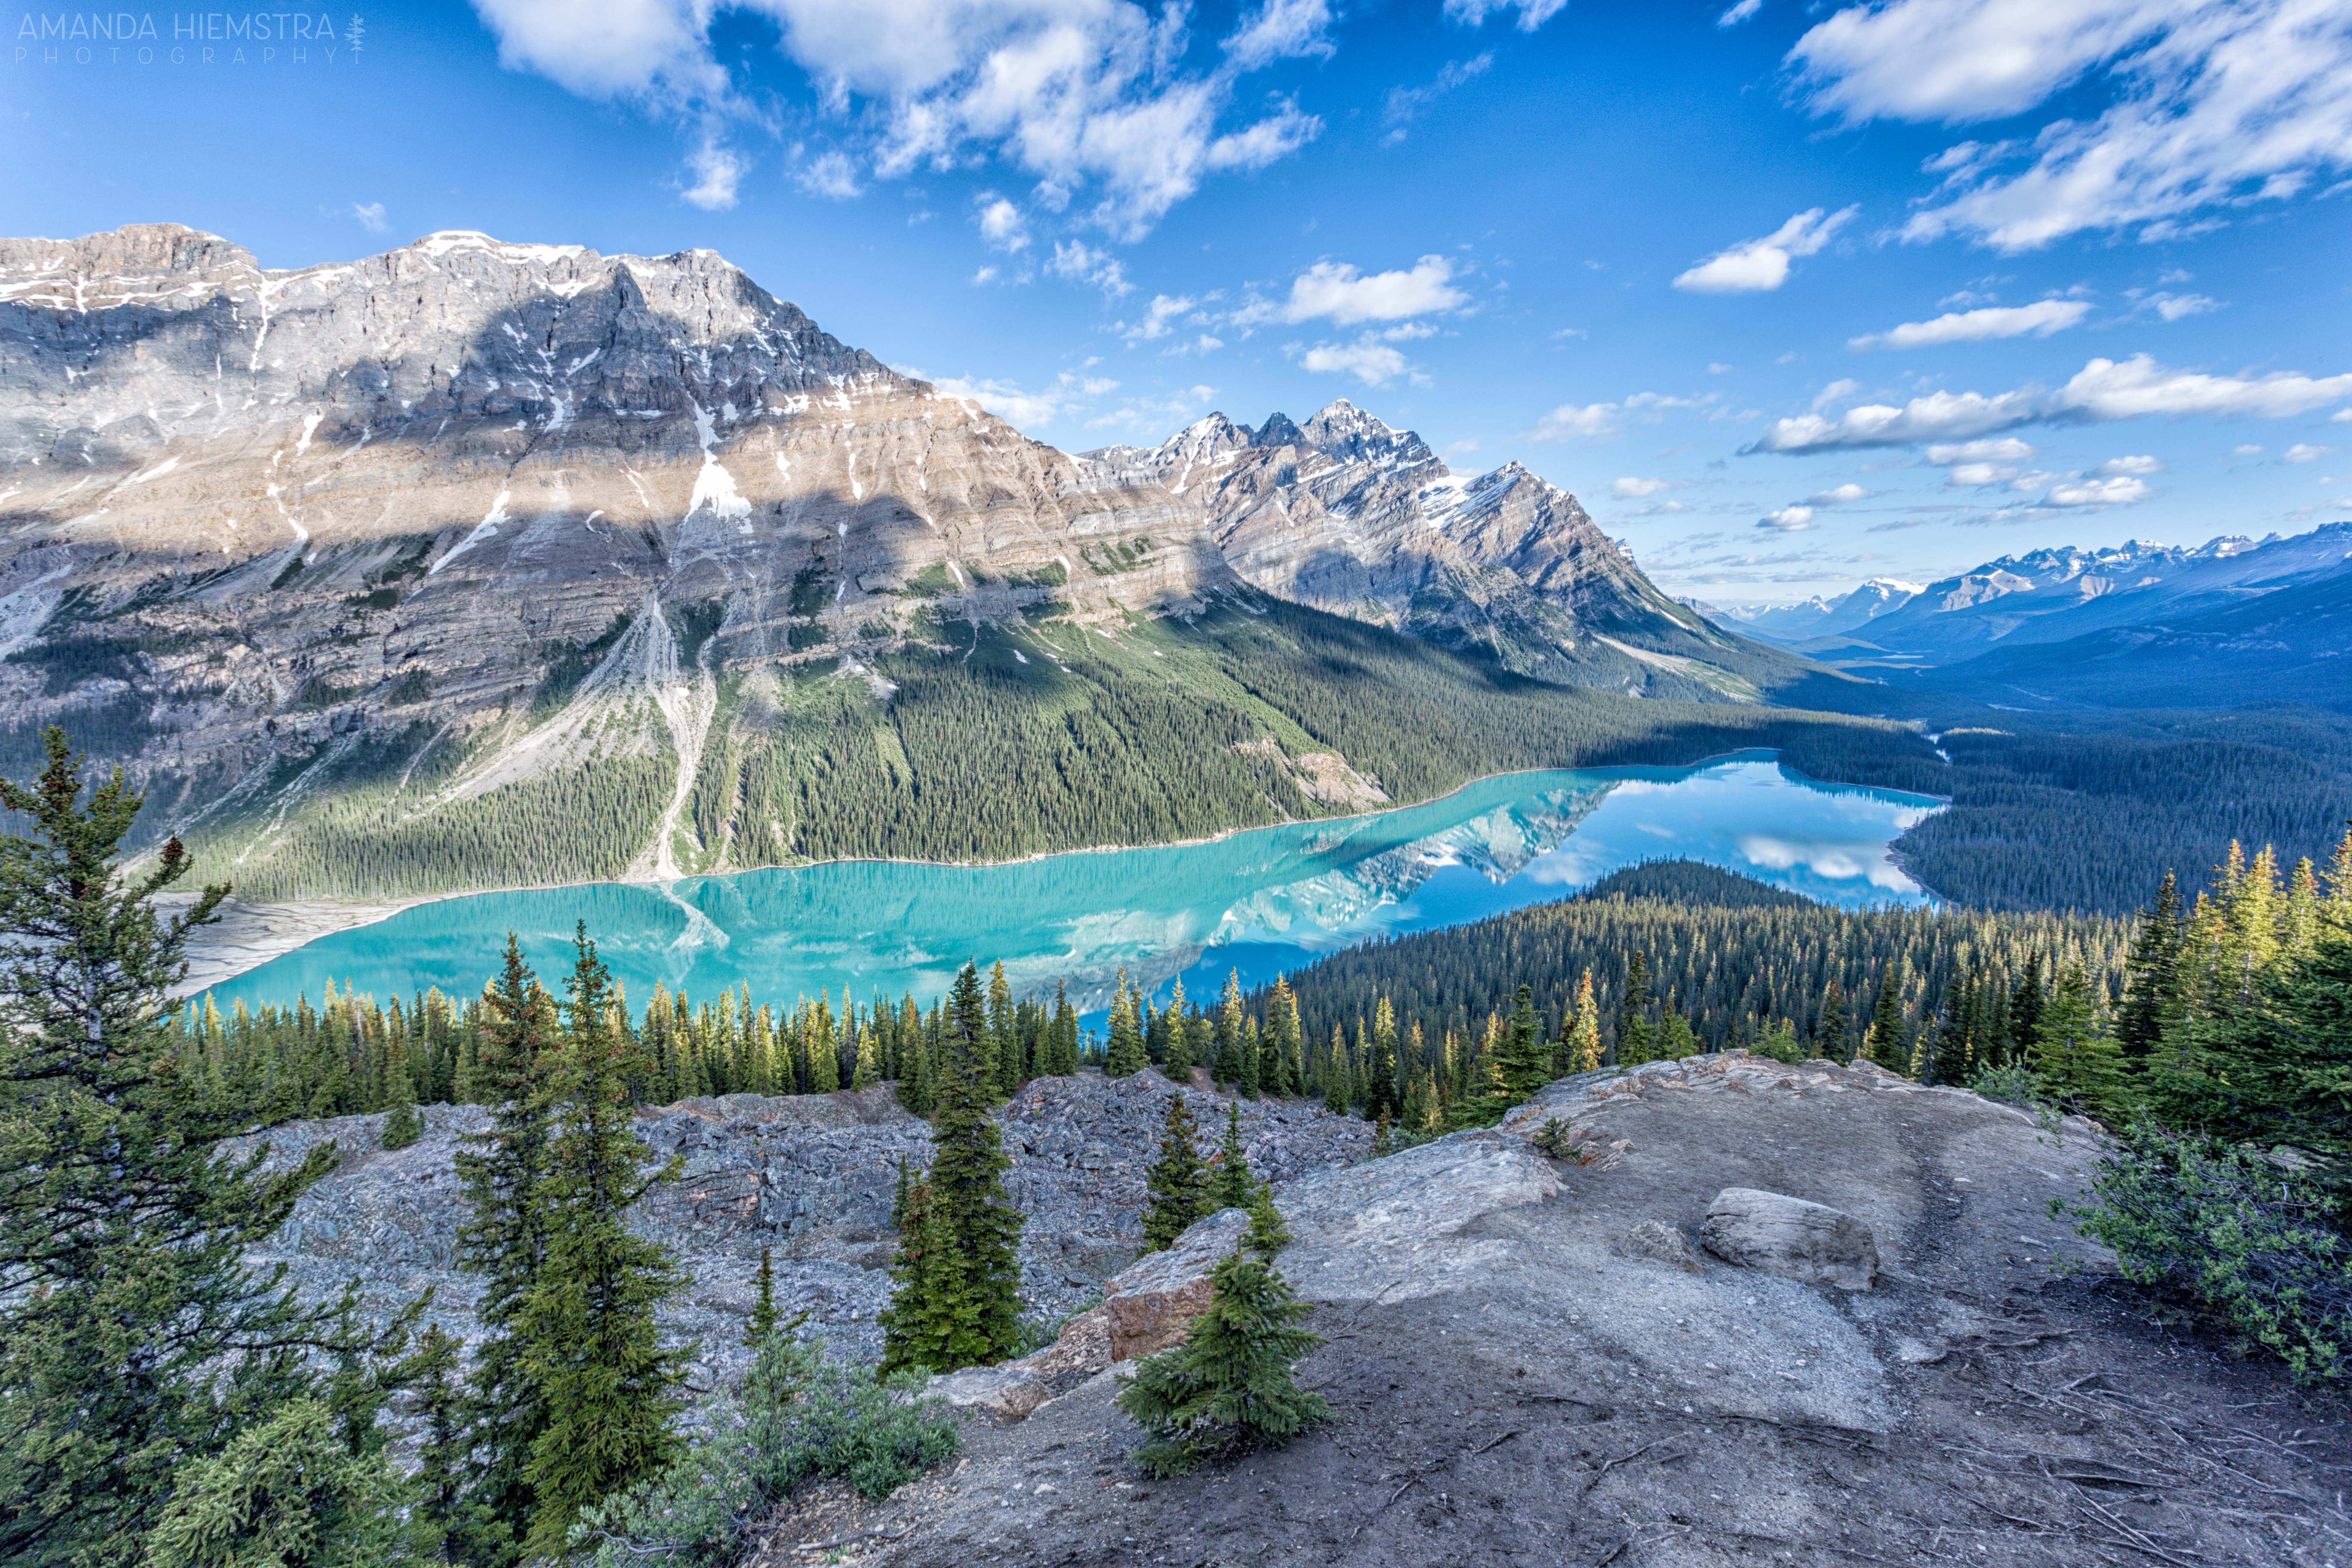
point(248, 936)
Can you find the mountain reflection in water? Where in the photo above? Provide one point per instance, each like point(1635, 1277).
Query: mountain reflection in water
point(1262, 901)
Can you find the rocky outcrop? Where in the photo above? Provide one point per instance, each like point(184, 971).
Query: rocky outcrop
point(809, 1177)
point(1529, 1361)
point(1772, 1232)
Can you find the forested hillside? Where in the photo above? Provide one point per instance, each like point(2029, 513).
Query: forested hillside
point(996, 742)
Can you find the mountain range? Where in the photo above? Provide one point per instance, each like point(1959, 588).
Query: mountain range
point(383, 552)
point(2137, 625)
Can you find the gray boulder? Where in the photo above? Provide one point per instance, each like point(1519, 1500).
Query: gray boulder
point(1777, 1234)
point(1003, 1394)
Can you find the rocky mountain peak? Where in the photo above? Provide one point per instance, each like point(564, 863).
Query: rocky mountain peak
point(1278, 431)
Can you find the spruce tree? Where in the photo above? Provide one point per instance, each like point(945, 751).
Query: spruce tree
point(1829, 1035)
point(2075, 1059)
point(1230, 1388)
point(1280, 1075)
point(2152, 975)
point(1127, 1052)
point(1580, 1031)
point(114, 1327)
point(1003, 1035)
point(1634, 1017)
point(506, 1240)
point(587, 1323)
point(1230, 1069)
point(762, 1320)
point(1229, 1181)
point(2025, 1004)
point(1883, 1041)
point(958, 1302)
point(451, 1526)
point(402, 1125)
point(286, 1493)
point(1336, 1076)
point(1179, 1181)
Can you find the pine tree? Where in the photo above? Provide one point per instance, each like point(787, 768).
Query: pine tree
point(402, 1125)
point(285, 1494)
point(1230, 1068)
point(1230, 1388)
point(1280, 1074)
point(1179, 1181)
point(113, 1328)
point(762, 1320)
point(1882, 1042)
point(956, 1303)
point(2152, 975)
point(1230, 1181)
point(2074, 1058)
point(1829, 1035)
point(1634, 1018)
point(1127, 1052)
point(450, 1525)
point(587, 1324)
point(2025, 1004)
point(1002, 1034)
point(1064, 1034)
point(1580, 1033)
point(506, 1240)
point(1336, 1084)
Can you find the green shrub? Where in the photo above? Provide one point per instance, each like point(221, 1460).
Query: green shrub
point(2012, 1084)
point(286, 1494)
point(799, 1416)
point(2253, 1235)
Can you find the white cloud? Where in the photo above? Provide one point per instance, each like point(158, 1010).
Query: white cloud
point(1002, 224)
point(2172, 307)
point(2213, 105)
point(2041, 319)
point(1758, 265)
point(1842, 493)
point(1569, 422)
point(1965, 476)
point(1405, 103)
point(2300, 453)
point(1285, 29)
point(1006, 399)
point(2245, 451)
point(1338, 290)
point(1740, 13)
point(1073, 260)
point(2341, 417)
point(1636, 489)
point(2003, 449)
point(1156, 323)
point(1079, 94)
point(1367, 359)
point(831, 174)
point(1788, 520)
point(2115, 466)
point(1533, 14)
point(2102, 390)
point(717, 170)
point(2120, 491)
point(986, 275)
point(371, 216)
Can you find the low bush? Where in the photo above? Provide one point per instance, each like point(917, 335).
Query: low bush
point(799, 1415)
point(2255, 1235)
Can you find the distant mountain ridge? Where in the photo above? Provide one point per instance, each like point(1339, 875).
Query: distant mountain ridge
point(2160, 600)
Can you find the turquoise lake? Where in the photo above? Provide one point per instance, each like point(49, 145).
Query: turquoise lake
point(1263, 902)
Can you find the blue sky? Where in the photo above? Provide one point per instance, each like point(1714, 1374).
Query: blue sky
point(1790, 296)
